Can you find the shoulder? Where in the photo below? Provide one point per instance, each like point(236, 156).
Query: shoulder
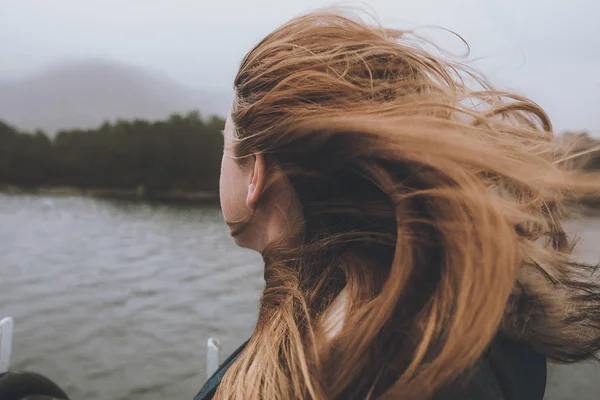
point(508, 371)
point(208, 390)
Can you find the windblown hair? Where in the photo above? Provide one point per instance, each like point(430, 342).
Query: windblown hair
point(433, 200)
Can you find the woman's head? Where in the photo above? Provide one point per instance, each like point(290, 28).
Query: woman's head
point(356, 160)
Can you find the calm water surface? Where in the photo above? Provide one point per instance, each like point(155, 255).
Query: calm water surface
point(116, 300)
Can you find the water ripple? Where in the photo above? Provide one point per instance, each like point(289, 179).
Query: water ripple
point(115, 300)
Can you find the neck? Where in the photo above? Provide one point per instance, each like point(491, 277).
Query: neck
point(333, 318)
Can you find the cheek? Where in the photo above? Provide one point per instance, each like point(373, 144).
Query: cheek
point(232, 190)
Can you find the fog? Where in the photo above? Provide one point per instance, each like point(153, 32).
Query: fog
point(549, 51)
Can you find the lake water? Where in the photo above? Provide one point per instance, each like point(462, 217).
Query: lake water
point(116, 300)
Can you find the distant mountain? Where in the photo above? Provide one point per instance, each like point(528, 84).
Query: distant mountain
point(84, 94)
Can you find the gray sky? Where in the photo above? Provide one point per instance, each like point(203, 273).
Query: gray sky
point(548, 50)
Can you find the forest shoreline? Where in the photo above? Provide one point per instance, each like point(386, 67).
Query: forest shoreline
point(585, 207)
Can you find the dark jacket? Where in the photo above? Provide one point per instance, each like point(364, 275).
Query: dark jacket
point(508, 371)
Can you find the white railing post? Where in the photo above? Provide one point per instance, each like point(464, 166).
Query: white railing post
point(6, 337)
point(213, 356)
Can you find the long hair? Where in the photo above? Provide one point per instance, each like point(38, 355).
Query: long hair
point(431, 199)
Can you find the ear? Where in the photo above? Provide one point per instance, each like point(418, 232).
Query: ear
point(257, 181)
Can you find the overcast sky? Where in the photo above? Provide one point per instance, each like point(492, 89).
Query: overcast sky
point(549, 50)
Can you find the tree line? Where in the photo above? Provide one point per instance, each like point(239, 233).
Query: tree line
point(181, 153)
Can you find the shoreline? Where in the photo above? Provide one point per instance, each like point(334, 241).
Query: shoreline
point(585, 207)
point(131, 194)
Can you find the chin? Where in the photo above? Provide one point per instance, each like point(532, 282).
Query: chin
point(242, 240)
point(244, 235)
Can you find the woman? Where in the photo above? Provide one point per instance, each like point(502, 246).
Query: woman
point(410, 225)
